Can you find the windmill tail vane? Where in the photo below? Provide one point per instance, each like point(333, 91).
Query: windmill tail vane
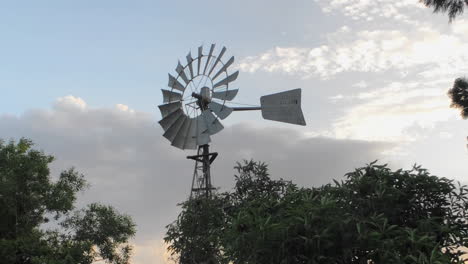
point(199, 97)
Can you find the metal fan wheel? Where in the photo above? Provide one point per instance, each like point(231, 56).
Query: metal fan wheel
point(196, 101)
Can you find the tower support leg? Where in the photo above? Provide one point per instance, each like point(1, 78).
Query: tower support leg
point(201, 182)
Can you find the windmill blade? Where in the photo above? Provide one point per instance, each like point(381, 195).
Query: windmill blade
point(203, 139)
point(225, 66)
point(166, 109)
point(170, 119)
point(201, 124)
point(200, 50)
point(225, 95)
point(191, 140)
point(188, 133)
point(220, 110)
point(171, 132)
point(189, 63)
point(217, 60)
point(179, 139)
point(209, 58)
point(180, 71)
point(213, 124)
point(169, 96)
point(203, 136)
point(227, 80)
point(174, 83)
point(283, 107)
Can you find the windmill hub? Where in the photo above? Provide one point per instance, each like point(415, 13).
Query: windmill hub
point(203, 98)
point(205, 93)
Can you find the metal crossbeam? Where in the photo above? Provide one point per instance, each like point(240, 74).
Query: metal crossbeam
point(201, 182)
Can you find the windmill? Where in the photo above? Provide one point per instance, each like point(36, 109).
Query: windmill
point(200, 95)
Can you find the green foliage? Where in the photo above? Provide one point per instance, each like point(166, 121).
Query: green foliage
point(375, 215)
point(195, 234)
point(454, 8)
point(459, 96)
point(28, 198)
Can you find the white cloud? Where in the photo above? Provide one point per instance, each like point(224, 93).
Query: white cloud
point(370, 51)
point(370, 10)
point(392, 113)
point(460, 27)
point(70, 102)
point(336, 98)
point(445, 135)
point(151, 251)
point(361, 84)
point(124, 108)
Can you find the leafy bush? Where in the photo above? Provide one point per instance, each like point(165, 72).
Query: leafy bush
point(375, 215)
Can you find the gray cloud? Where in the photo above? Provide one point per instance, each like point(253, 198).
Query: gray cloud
point(308, 161)
point(131, 166)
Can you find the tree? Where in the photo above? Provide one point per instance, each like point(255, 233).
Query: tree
point(195, 236)
point(459, 96)
point(375, 215)
point(452, 7)
point(28, 199)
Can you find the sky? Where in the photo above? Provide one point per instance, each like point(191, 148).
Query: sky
point(82, 79)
